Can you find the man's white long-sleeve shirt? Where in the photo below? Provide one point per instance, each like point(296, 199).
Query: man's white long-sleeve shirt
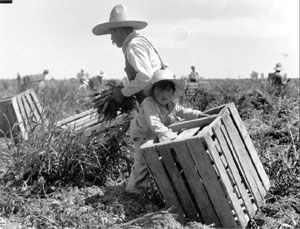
point(143, 58)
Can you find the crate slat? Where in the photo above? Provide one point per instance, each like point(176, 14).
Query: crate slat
point(33, 109)
point(192, 123)
point(20, 120)
point(211, 183)
point(22, 112)
point(38, 106)
point(82, 121)
point(249, 144)
point(207, 211)
point(226, 181)
point(76, 117)
point(178, 182)
point(164, 185)
point(242, 155)
point(102, 126)
point(235, 173)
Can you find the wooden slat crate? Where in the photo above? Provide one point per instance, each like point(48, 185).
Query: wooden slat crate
point(80, 121)
point(211, 172)
point(36, 78)
point(192, 87)
point(88, 122)
point(21, 113)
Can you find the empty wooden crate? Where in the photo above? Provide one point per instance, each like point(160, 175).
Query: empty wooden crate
point(20, 114)
point(211, 172)
point(88, 123)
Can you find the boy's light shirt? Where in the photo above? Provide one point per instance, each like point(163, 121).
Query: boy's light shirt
point(143, 59)
point(154, 119)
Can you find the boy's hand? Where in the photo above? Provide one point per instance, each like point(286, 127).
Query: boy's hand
point(167, 136)
point(203, 115)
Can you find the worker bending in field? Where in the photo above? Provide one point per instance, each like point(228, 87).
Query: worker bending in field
point(141, 58)
point(157, 111)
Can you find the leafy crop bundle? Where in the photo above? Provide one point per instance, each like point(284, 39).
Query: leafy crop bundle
point(107, 107)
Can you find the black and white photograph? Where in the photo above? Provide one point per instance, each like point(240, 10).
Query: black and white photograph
point(170, 114)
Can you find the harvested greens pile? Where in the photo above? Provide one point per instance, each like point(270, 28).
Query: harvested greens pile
point(107, 107)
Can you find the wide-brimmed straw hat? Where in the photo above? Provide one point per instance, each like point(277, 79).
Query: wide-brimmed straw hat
point(118, 18)
point(166, 74)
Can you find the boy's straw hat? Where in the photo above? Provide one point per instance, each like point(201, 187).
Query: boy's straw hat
point(166, 74)
point(118, 18)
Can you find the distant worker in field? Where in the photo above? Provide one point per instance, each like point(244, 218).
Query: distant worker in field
point(83, 79)
point(100, 77)
point(141, 58)
point(157, 111)
point(193, 76)
point(31, 80)
point(278, 80)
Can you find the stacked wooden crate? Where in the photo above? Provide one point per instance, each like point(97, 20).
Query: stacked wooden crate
point(88, 123)
point(20, 114)
point(211, 172)
point(192, 87)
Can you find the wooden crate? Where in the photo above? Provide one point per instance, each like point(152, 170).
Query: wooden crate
point(21, 114)
point(88, 123)
point(192, 87)
point(211, 172)
point(80, 121)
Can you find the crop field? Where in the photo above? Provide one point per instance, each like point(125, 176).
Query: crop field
point(60, 179)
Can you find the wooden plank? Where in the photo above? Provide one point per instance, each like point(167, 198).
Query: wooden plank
point(234, 169)
point(34, 101)
point(188, 133)
point(86, 125)
point(192, 123)
point(81, 121)
point(19, 117)
point(27, 109)
point(23, 113)
point(215, 110)
point(35, 115)
point(194, 180)
point(99, 128)
point(161, 178)
point(177, 181)
point(250, 147)
point(38, 105)
point(211, 183)
point(245, 161)
point(76, 117)
point(225, 179)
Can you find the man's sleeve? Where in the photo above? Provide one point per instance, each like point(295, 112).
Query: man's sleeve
point(138, 56)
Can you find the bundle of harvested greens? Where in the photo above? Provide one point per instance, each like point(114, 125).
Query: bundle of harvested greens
point(107, 107)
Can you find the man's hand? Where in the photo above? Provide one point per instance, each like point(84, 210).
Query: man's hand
point(118, 96)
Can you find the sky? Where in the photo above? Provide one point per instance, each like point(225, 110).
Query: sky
point(221, 38)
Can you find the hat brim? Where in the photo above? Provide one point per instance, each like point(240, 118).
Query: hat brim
point(180, 86)
point(104, 28)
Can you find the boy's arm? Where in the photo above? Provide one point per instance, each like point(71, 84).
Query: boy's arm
point(154, 122)
point(188, 113)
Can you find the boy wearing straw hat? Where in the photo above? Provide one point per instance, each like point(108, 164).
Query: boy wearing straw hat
point(157, 111)
point(141, 58)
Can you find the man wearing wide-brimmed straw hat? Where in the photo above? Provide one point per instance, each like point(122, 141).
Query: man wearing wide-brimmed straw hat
point(141, 58)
